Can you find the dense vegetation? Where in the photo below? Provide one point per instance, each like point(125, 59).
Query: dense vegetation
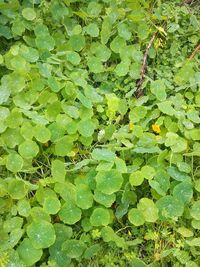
point(99, 133)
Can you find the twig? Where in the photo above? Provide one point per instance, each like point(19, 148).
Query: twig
point(139, 92)
point(194, 52)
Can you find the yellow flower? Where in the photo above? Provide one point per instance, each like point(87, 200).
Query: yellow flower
point(131, 126)
point(156, 128)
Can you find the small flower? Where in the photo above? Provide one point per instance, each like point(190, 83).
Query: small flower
point(131, 126)
point(156, 128)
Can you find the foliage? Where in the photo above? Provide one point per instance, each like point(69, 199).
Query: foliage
point(91, 175)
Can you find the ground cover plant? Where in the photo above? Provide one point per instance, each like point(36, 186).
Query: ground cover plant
point(99, 133)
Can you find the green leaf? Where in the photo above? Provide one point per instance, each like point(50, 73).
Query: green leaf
point(77, 42)
point(158, 89)
point(137, 113)
point(123, 31)
point(92, 29)
point(51, 205)
point(148, 209)
point(95, 65)
point(166, 108)
point(23, 207)
point(148, 172)
point(84, 197)
point(109, 182)
point(14, 162)
point(29, 13)
point(41, 234)
point(117, 44)
point(64, 146)
point(195, 134)
point(184, 74)
point(122, 68)
point(42, 134)
point(86, 127)
point(17, 189)
point(177, 175)
point(170, 207)
point(136, 217)
point(136, 178)
point(74, 248)
point(183, 192)
point(104, 199)
point(58, 170)
point(73, 57)
point(69, 213)
point(99, 217)
point(103, 154)
point(28, 253)
point(44, 42)
point(28, 149)
point(195, 210)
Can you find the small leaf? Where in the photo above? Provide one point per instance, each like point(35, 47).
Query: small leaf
point(69, 213)
point(14, 162)
point(103, 154)
point(166, 108)
point(148, 209)
point(99, 217)
point(136, 178)
point(41, 234)
point(17, 189)
point(109, 182)
point(28, 253)
point(74, 248)
point(86, 127)
point(29, 13)
point(136, 217)
point(195, 210)
point(28, 149)
point(84, 197)
point(170, 207)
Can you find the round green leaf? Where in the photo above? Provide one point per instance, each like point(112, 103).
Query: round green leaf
point(109, 182)
point(99, 217)
point(117, 44)
point(14, 162)
point(42, 134)
point(86, 127)
point(29, 13)
point(136, 178)
point(148, 172)
point(69, 213)
point(170, 207)
point(103, 154)
point(148, 209)
point(28, 149)
point(137, 113)
point(84, 197)
point(77, 42)
point(28, 253)
point(74, 248)
point(92, 29)
point(51, 205)
point(41, 234)
point(195, 210)
point(136, 217)
point(23, 207)
point(17, 189)
point(104, 199)
point(183, 192)
point(95, 65)
point(64, 146)
point(58, 170)
point(73, 57)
